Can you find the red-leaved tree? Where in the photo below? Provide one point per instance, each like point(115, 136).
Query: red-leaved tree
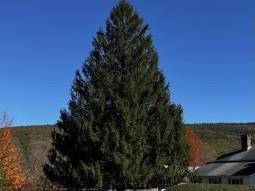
point(196, 147)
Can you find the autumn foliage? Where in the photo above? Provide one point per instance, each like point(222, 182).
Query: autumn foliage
point(10, 158)
point(196, 146)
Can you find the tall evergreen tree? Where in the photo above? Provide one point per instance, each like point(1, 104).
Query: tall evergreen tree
point(120, 130)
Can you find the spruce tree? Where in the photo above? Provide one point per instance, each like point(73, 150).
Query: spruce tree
point(120, 129)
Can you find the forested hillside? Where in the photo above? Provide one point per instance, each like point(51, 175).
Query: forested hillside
point(218, 138)
point(34, 141)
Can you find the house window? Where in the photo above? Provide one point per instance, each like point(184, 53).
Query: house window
point(215, 180)
point(235, 181)
point(197, 180)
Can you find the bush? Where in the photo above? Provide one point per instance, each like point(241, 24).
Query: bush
point(3, 180)
point(211, 187)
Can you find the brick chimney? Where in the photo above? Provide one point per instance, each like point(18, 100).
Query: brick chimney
point(246, 142)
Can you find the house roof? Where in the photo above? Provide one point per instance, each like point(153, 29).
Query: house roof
point(237, 162)
point(238, 155)
point(227, 169)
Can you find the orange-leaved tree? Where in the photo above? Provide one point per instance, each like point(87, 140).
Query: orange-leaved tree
point(196, 146)
point(9, 156)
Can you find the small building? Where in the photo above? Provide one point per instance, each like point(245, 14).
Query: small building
point(234, 167)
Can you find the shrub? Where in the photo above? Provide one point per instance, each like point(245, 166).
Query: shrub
point(3, 180)
point(211, 187)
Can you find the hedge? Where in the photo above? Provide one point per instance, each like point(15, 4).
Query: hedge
point(211, 187)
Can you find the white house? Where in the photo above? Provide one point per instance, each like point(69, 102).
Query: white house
point(234, 167)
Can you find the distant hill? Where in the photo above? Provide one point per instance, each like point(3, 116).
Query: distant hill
point(32, 140)
point(217, 138)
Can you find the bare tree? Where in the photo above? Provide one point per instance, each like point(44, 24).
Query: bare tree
point(35, 167)
point(5, 120)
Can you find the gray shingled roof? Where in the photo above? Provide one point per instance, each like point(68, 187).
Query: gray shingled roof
point(227, 169)
point(238, 155)
point(235, 163)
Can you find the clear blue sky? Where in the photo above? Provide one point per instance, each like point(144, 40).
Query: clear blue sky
point(206, 50)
